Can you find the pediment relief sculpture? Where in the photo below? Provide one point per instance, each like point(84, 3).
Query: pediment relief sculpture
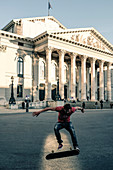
point(89, 40)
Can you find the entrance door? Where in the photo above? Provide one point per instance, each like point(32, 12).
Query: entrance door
point(98, 96)
point(41, 95)
point(53, 93)
point(65, 92)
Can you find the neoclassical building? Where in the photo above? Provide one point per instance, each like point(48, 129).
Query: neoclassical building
point(41, 54)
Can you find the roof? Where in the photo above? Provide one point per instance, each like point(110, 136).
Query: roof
point(34, 19)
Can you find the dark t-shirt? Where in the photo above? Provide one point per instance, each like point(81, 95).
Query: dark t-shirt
point(62, 116)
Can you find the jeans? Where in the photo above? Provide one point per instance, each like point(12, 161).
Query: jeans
point(69, 127)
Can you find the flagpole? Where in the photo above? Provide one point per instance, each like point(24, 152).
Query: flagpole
point(48, 7)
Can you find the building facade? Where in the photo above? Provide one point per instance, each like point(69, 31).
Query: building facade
point(42, 54)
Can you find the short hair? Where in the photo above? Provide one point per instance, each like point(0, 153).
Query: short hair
point(67, 106)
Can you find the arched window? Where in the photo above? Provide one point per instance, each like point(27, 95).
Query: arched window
point(42, 70)
point(53, 71)
point(65, 73)
point(20, 67)
point(19, 90)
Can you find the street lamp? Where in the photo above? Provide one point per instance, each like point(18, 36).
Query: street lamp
point(12, 99)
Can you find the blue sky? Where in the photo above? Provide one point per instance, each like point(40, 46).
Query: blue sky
point(71, 13)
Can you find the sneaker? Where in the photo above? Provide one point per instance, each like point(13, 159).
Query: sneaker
point(60, 146)
point(77, 148)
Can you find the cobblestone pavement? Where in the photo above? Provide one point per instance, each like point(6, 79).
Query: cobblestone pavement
point(25, 141)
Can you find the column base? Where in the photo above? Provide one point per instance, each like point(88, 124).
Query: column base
point(83, 100)
point(93, 100)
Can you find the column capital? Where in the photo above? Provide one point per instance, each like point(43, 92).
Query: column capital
point(48, 49)
point(93, 59)
point(101, 61)
point(61, 52)
point(36, 60)
point(73, 54)
point(36, 55)
point(22, 55)
point(84, 57)
point(109, 64)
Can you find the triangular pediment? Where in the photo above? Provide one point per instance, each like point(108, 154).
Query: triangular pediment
point(88, 36)
point(31, 27)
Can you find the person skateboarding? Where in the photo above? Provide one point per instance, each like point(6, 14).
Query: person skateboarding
point(63, 122)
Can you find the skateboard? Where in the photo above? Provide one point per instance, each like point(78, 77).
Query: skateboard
point(62, 154)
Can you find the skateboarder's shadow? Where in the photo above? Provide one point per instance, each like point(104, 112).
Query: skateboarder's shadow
point(51, 143)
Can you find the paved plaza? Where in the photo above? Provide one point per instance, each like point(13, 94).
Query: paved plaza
point(25, 141)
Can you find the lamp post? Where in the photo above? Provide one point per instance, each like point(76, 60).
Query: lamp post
point(12, 99)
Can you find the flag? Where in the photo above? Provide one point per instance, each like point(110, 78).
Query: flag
point(49, 5)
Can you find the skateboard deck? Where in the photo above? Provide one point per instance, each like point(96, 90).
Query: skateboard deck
point(62, 154)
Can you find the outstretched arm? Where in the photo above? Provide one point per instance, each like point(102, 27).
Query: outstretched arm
point(43, 110)
point(80, 108)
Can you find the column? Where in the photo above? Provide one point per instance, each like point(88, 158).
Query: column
point(93, 79)
point(61, 73)
point(48, 74)
point(69, 82)
point(101, 82)
point(36, 79)
point(78, 82)
point(87, 77)
point(83, 78)
point(96, 84)
point(73, 75)
point(108, 81)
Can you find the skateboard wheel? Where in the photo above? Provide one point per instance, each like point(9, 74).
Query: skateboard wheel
point(70, 148)
point(52, 151)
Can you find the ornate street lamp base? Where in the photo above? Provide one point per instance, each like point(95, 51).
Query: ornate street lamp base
point(12, 100)
point(57, 97)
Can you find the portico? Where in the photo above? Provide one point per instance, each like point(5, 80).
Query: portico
point(78, 74)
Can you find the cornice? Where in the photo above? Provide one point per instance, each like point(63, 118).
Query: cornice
point(8, 25)
point(91, 29)
point(41, 36)
point(15, 36)
point(53, 36)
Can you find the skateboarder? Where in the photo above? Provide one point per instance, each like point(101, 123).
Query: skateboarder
point(63, 122)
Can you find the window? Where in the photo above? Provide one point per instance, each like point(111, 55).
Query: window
point(19, 91)
point(97, 78)
point(20, 67)
point(53, 71)
point(42, 70)
point(65, 73)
